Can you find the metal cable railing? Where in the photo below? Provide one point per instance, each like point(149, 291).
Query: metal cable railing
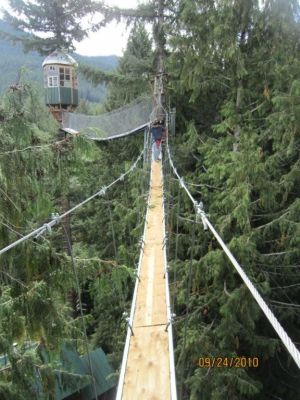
point(56, 218)
point(292, 349)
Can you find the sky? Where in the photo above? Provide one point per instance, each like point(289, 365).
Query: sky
point(109, 40)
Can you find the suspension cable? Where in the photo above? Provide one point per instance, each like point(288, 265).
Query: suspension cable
point(293, 351)
point(56, 218)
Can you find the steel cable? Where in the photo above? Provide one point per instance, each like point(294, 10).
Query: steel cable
point(57, 218)
point(290, 346)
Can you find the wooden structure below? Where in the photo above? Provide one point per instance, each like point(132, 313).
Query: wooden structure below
point(147, 374)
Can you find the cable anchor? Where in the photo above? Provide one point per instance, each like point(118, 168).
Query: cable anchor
point(142, 243)
point(200, 214)
point(170, 322)
point(166, 271)
point(102, 191)
point(127, 319)
point(47, 227)
point(165, 241)
point(136, 273)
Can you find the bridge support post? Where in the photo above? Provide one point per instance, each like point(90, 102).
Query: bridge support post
point(172, 126)
point(145, 160)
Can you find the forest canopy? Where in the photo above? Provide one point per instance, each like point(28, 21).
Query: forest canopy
point(232, 71)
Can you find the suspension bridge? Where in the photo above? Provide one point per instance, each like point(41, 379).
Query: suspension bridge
point(147, 370)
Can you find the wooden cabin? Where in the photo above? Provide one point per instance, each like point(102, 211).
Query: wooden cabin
point(60, 81)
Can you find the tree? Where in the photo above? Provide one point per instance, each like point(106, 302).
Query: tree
point(48, 25)
point(156, 12)
point(36, 277)
point(136, 65)
point(32, 305)
point(233, 68)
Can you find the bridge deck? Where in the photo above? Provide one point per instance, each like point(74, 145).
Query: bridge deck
point(147, 374)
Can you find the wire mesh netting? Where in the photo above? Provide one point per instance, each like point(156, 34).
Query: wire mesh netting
point(121, 122)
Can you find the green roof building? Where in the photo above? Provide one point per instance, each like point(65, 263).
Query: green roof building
point(60, 81)
point(82, 387)
point(102, 373)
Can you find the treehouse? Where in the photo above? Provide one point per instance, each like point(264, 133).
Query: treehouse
point(60, 81)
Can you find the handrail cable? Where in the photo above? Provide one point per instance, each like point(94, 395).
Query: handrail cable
point(293, 351)
point(56, 218)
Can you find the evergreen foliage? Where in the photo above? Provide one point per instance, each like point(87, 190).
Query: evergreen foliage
point(133, 75)
point(37, 278)
point(139, 62)
point(32, 303)
point(234, 72)
point(136, 66)
point(61, 21)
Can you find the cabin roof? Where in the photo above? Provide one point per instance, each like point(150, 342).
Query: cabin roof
point(59, 57)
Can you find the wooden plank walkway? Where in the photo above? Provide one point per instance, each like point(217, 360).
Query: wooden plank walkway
point(147, 374)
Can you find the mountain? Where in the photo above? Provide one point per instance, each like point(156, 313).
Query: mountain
point(13, 59)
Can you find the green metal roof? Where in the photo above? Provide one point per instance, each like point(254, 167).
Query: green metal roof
point(77, 365)
point(71, 362)
point(80, 365)
point(102, 372)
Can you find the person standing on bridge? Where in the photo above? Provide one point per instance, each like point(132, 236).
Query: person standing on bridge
point(158, 133)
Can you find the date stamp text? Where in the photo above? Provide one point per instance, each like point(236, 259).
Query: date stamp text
point(228, 362)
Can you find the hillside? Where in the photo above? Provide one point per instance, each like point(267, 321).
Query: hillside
point(13, 59)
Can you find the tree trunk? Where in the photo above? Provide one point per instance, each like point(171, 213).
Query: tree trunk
point(159, 96)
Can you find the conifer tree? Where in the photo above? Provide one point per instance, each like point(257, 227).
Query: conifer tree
point(48, 25)
point(155, 12)
point(32, 307)
point(136, 64)
point(232, 68)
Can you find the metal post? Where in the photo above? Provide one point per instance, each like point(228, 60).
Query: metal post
point(145, 150)
point(172, 122)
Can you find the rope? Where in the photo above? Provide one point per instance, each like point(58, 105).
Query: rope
point(56, 218)
point(293, 351)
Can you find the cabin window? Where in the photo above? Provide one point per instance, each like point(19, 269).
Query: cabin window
point(52, 68)
point(61, 76)
point(52, 81)
point(65, 76)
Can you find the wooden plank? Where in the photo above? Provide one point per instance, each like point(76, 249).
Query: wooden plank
point(147, 374)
